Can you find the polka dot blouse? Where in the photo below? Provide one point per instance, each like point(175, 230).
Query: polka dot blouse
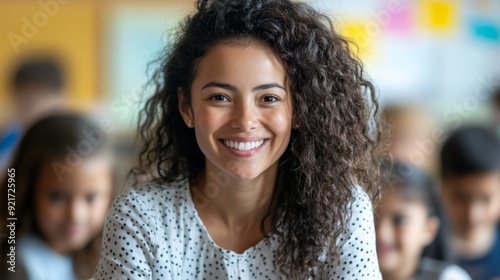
point(154, 232)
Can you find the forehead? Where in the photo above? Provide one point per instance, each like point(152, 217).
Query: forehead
point(241, 61)
point(395, 201)
point(474, 184)
point(94, 172)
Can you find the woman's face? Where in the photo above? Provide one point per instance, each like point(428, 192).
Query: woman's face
point(241, 109)
point(70, 212)
point(403, 230)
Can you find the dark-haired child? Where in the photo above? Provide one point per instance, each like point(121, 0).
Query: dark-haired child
point(408, 222)
point(61, 178)
point(470, 170)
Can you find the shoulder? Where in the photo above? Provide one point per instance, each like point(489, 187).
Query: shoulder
point(38, 261)
point(361, 215)
point(356, 258)
point(497, 241)
point(145, 208)
point(440, 270)
point(360, 226)
point(454, 272)
point(362, 202)
point(150, 198)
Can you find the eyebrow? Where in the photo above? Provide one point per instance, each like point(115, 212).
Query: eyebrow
point(233, 88)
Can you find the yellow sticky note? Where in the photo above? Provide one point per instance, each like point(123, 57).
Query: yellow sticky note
point(357, 33)
point(439, 15)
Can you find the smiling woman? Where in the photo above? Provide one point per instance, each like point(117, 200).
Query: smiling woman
point(239, 100)
point(255, 145)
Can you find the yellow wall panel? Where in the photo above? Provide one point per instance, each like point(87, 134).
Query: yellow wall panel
point(68, 31)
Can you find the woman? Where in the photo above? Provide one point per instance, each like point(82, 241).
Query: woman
point(255, 141)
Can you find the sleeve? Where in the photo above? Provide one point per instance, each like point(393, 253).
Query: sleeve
point(357, 256)
point(454, 272)
point(129, 242)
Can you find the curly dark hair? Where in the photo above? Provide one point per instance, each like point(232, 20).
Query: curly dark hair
point(336, 146)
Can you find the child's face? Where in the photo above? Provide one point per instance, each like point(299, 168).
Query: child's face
point(241, 108)
point(403, 230)
point(472, 203)
point(69, 213)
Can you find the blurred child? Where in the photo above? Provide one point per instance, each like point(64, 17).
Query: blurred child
point(411, 127)
point(470, 168)
point(495, 114)
point(408, 221)
point(63, 187)
point(37, 86)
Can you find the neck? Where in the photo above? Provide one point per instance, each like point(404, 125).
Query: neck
point(402, 274)
point(237, 204)
point(476, 244)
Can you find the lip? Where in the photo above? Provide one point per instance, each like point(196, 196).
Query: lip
point(383, 250)
point(240, 153)
point(72, 231)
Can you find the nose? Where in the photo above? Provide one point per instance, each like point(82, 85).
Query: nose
point(76, 212)
point(384, 232)
point(245, 116)
point(474, 213)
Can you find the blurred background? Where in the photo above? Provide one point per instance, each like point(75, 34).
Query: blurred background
point(435, 63)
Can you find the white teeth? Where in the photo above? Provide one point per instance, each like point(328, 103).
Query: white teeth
point(243, 146)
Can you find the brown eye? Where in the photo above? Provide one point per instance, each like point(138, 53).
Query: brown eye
point(218, 98)
point(57, 197)
point(399, 220)
point(90, 198)
point(270, 99)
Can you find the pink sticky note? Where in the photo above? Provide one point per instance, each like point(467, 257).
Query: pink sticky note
point(400, 21)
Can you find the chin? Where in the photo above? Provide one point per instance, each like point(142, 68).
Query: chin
point(76, 243)
point(244, 173)
point(243, 176)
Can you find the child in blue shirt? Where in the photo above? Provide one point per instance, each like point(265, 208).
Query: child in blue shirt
point(62, 182)
point(470, 171)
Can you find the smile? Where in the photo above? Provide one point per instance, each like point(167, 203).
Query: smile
point(243, 146)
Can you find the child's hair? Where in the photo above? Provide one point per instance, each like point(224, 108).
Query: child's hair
point(40, 71)
point(496, 99)
point(46, 142)
point(468, 150)
point(414, 184)
point(335, 147)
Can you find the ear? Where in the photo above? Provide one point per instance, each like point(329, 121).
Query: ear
point(431, 229)
point(185, 108)
point(295, 122)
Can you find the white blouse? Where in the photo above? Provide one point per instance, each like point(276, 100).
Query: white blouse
point(154, 232)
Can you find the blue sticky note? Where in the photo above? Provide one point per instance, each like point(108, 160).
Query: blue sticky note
point(486, 30)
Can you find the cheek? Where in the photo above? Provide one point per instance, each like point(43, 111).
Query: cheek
point(49, 218)
point(494, 211)
point(210, 117)
point(47, 213)
point(412, 238)
point(98, 214)
point(207, 122)
point(280, 123)
point(402, 236)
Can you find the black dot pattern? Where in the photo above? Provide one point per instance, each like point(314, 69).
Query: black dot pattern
point(154, 232)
